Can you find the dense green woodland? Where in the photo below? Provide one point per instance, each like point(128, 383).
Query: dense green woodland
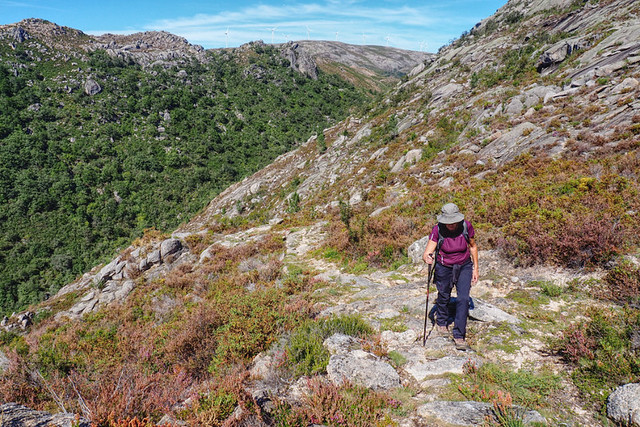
point(83, 175)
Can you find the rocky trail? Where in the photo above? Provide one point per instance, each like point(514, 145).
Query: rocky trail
point(394, 303)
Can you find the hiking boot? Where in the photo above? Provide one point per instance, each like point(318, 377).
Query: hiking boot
point(461, 344)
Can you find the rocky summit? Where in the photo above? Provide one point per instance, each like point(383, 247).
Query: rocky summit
point(298, 296)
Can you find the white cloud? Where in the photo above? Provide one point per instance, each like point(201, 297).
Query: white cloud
point(407, 27)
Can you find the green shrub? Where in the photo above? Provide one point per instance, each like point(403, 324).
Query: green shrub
point(216, 407)
point(397, 358)
point(294, 203)
point(305, 350)
point(7, 337)
point(491, 381)
point(549, 289)
point(321, 143)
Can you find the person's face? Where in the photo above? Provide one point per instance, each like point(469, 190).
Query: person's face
point(452, 227)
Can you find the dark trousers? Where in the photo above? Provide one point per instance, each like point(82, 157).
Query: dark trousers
point(446, 278)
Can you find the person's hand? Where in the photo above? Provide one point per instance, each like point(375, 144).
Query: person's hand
point(474, 276)
point(428, 258)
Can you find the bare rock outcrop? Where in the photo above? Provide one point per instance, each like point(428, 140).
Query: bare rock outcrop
point(623, 405)
point(300, 60)
point(559, 52)
point(14, 415)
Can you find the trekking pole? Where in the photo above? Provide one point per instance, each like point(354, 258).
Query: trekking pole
point(426, 307)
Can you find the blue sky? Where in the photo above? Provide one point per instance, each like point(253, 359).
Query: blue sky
point(424, 25)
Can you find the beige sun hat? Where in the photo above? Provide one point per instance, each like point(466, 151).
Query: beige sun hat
point(450, 214)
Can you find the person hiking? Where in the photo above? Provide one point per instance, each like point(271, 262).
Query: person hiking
point(453, 247)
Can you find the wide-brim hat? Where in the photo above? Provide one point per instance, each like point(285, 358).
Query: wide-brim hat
point(450, 214)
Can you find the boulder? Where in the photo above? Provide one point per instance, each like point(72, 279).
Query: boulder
point(446, 182)
point(119, 270)
point(154, 257)
point(378, 211)
point(417, 69)
point(537, 93)
point(406, 123)
point(20, 35)
point(485, 312)
point(122, 291)
point(362, 368)
point(515, 107)
point(629, 84)
point(206, 254)
point(4, 362)
point(169, 247)
point(378, 153)
point(91, 87)
point(412, 157)
point(144, 265)
point(395, 340)
point(299, 60)
point(13, 414)
point(447, 91)
point(416, 250)
point(623, 405)
point(26, 319)
point(107, 272)
point(339, 343)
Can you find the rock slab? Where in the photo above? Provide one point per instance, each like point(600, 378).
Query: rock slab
point(470, 413)
point(623, 405)
point(362, 368)
point(14, 415)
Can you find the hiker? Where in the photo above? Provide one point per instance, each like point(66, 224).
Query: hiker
point(452, 242)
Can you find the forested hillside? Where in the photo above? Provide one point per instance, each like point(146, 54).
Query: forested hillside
point(96, 148)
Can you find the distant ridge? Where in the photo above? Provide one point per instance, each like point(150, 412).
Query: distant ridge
point(373, 67)
point(377, 67)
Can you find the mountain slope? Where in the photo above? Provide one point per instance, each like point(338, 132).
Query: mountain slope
point(529, 122)
point(374, 67)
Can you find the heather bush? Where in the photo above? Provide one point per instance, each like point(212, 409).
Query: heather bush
point(17, 384)
point(180, 278)
point(557, 211)
point(252, 323)
point(192, 341)
point(127, 391)
point(621, 284)
point(603, 351)
point(380, 241)
point(216, 402)
point(132, 422)
point(331, 405)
